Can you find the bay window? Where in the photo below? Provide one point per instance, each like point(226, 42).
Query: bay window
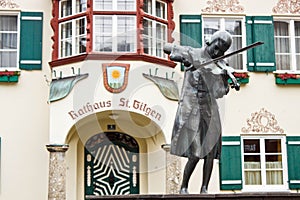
point(155, 8)
point(287, 44)
point(115, 33)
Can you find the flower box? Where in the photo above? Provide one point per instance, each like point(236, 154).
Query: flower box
point(9, 76)
point(241, 77)
point(287, 78)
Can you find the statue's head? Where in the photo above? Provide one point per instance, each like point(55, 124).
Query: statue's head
point(219, 43)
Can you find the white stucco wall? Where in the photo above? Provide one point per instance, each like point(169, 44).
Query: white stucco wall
point(24, 129)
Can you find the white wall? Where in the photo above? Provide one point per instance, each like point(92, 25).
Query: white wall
point(24, 128)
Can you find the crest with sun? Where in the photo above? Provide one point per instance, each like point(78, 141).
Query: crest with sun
point(115, 76)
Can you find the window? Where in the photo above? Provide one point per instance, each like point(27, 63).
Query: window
point(154, 37)
point(67, 8)
point(287, 44)
point(155, 8)
point(235, 27)
point(264, 163)
point(115, 33)
point(9, 42)
point(73, 37)
point(119, 5)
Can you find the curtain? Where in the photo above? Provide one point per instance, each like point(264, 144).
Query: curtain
point(282, 45)
point(8, 41)
point(253, 176)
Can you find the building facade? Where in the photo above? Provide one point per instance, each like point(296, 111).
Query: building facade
point(89, 97)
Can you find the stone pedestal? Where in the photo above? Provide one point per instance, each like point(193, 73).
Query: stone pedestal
point(173, 171)
point(57, 172)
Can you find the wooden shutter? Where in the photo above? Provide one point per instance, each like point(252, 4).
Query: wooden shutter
point(261, 58)
point(31, 40)
point(293, 157)
point(190, 31)
point(231, 164)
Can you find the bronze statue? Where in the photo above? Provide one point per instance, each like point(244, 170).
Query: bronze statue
point(197, 128)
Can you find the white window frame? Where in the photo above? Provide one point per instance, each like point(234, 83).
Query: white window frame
point(154, 40)
point(73, 37)
point(264, 187)
point(115, 34)
point(17, 14)
point(73, 8)
point(222, 21)
point(153, 9)
point(292, 53)
point(114, 6)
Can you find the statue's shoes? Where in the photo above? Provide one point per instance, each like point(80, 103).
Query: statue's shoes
point(203, 190)
point(183, 191)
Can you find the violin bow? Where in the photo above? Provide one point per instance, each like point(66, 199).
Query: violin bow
point(227, 55)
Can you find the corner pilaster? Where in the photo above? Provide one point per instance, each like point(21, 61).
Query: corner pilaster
point(57, 172)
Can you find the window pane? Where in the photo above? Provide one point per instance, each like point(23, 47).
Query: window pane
point(282, 45)
point(103, 4)
point(160, 9)
point(80, 5)
point(103, 33)
point(80, 37)
point(211, 25)
point(251, 146)
point(273, 145)
point(126, 33)
point(147, 6)
point(66, 8)
point(147, 36)
point(234, 27)
point(8, 41)
point(66, 39)
point(126, 5)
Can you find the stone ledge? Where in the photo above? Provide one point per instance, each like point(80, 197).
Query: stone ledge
point(243, 196)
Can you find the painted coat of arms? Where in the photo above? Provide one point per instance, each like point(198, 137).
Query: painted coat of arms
point(115, 76)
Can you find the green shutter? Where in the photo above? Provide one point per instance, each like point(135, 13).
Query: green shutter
point(293, 157)
point(261, 58)
point(31, 40)
point(231, 164)
point(190, 31)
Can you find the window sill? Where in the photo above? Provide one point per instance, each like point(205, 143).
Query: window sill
point(287, 78)
point(241, 77)
point(9, 76)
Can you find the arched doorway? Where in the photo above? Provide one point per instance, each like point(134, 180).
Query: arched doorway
point(112, 164)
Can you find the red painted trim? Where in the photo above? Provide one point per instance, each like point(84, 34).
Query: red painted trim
point(139, 24)
point(89, 26)
point(54, 26)
point(155, 18)
point(112, 57)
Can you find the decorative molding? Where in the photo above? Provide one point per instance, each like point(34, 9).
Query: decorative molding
point(262, 122)
point(287, 6)
point(224, 6)
point(8, 4)
point(173, 171)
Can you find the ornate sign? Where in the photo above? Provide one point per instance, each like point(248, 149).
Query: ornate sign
point(262, 121)
point(223, 6)
point(115, 76)
point(287, 6)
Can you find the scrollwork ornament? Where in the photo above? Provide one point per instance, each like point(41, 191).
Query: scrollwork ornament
point(8, 4)
point(263, 122)
point(224, 6)
point(287, 6)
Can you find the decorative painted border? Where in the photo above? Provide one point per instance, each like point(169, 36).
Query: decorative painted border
point(224, 6)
